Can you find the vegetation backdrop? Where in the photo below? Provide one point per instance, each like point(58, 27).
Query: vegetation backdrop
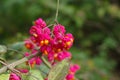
point(95, 25)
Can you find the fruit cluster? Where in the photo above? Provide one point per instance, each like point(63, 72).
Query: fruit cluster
point(52, 43)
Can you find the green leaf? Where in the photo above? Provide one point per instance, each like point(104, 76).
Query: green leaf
point(4, 76)
point(3, 49)
point(17, 45)
point(35, 75)
point(44, 70)
point(59, 71)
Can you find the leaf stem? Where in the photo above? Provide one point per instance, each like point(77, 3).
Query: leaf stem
point(57, 9)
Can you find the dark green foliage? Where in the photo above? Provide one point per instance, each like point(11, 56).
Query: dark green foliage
point(95, 25)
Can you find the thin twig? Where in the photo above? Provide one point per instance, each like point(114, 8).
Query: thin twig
point(56, 16)
point(50, 25)
point(3, 63)
point(14, 64)
point(10, 68)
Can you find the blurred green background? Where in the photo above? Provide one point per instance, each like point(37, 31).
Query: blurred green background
point(95, 25)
